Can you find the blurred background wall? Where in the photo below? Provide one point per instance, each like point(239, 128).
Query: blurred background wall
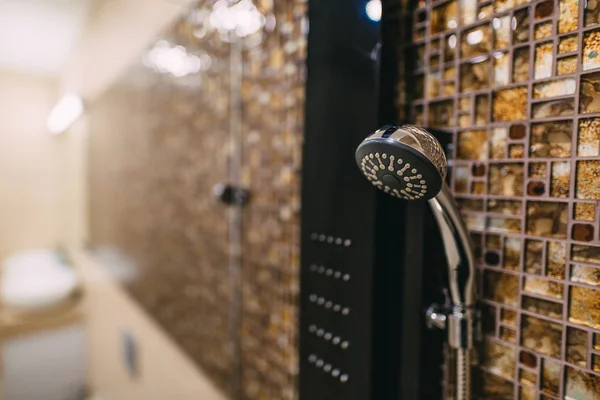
point(221, 278)
point(29, 163)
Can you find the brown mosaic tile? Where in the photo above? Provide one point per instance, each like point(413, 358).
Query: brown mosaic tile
point(588, 140)
point(555, 88)
point(589, 93)
point(512, 253)
point(541, 336)
point(550, 377)
point(538, 156)
point(567, 44)
point(476, 41)
point(543, 61)
point(503, 5)
point(567, 65)
point(494, 387)
point(472, 145)
point(510, 104)
point(527, 393)
point(581, 385)
point(537, 170)
point(501, 69)
point(586, 254)
point(521, 64)
point(547, 219)
point(568, 17)
point(561, 179)
point(509, 317)
point(475, 75)
point(551, 139)
point(542, 307)
point(543, 287)
point(577, 346)
point(533, 256)
point(584, 307)
point(521, 26)
point(592, 13)
point(543, 30)
point(482, 105)
point(557, 259)
point(553, 108)
point(164, 218)
point(499, 358)
point(588, 180)
point(501, 29)
point(591, 48)
point(444, 17)
point(506, 179)
point(584, 274)
point(501, 287)
point(509, 207)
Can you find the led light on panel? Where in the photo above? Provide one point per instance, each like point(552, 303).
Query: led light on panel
point(373, 9)
point(65, 112)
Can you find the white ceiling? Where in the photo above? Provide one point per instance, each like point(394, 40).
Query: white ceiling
point(39, 35)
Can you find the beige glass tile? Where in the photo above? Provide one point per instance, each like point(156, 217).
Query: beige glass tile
point(561, 179)
point(512, 253)
point(588, 139)
point(543, 61)
point(558, 87)
point(591, 49)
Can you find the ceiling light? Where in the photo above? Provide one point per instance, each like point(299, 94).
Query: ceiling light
point(68, 109)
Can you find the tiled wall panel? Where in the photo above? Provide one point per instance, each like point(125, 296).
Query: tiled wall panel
point(517, 83)
point(223, 281)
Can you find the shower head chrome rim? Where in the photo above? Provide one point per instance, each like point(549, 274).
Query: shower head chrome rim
point(404, 161)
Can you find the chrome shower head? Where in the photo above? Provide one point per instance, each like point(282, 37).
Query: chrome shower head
point(405, 161)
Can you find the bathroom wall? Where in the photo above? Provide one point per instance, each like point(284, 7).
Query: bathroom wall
point(516, 82)
point(220, 279)
point(28, 164)
point(163, 371)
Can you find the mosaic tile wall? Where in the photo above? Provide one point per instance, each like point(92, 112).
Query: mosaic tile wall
point(222, 280)
point(518, 84)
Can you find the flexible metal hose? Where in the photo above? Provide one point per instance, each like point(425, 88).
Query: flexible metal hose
point(463, 374)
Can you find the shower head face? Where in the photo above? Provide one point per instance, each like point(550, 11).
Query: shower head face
point(404, 161)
